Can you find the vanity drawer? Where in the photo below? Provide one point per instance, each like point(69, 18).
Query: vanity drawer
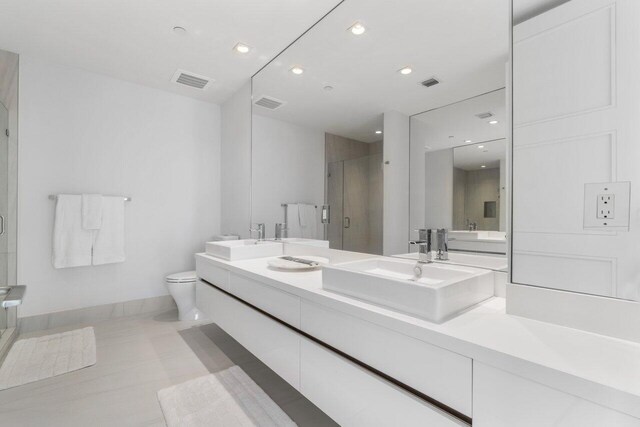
point(442, 375)
point(353, 396)
point(282, 305)
point(212, 274)
point(275, 345)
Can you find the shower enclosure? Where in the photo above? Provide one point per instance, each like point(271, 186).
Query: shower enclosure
point(354, 193)
point(8, 197)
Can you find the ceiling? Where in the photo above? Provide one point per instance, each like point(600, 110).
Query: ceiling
point(133, 40)
point(464, 43)
point(527, 9)
point(472, 157)
point(457, 124)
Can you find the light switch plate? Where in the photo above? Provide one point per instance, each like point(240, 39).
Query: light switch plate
point(606, 206)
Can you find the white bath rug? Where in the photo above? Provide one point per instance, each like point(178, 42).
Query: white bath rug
point(34, 359)
point(228, 398)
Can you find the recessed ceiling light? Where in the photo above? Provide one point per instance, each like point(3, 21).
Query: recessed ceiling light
point(179, 30)
point(378, 132)
point(297, 70)
point(405, 70)
point(493, 122)
point(480, 146)
point(242, 48)
point(357, 28)
point(467, 141)
point(483, 166)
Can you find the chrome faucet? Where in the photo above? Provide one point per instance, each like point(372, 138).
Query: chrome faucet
point(442, 244)
point(281, 230)
point(424, 245)
point(259, 230)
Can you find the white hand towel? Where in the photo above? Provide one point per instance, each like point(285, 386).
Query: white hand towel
point(293, 221)
point(308, 220)
point(108, 246)
point(71, 243)
point(91, 211)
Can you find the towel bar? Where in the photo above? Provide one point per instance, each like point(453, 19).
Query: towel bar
point(55, 197)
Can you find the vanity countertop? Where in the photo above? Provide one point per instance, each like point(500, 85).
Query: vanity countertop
point(593, 367)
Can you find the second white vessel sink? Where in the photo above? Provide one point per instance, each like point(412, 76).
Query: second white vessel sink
point(438, 293)
point(235, 250)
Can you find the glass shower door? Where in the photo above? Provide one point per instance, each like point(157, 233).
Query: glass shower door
point(4, 208)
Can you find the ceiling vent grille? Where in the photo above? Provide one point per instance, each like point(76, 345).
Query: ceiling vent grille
point(188, 78)
point(484, 116)
point(430, 82)
point(269, 102)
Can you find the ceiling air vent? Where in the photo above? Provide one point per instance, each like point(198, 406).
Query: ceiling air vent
point(484, 115)
point(188, 78)
point(430, 82)
point(269, 102)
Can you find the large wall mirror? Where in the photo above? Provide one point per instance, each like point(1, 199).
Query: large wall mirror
point(576, 222)
point(459, 173)
point(331, 151)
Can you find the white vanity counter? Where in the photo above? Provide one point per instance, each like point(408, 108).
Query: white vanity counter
point(595, 368)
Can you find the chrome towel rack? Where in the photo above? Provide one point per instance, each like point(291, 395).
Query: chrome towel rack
point(126, 198)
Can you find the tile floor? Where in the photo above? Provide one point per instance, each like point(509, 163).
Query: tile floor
point(137, 356)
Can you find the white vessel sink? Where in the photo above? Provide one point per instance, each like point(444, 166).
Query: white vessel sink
point(441, 291)
point(489, 262)
point(235, 250)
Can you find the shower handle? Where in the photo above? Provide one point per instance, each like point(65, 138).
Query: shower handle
point(1, 225)
point(347, 222)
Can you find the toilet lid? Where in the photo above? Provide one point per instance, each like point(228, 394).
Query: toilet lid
point(184, 277)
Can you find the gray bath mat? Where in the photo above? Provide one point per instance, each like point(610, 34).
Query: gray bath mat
point(35, 359)
point(228, 398)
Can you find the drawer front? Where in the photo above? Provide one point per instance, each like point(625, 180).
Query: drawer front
point(353, 396)
point(212, 274)
point(282, 305)
point(501, 399)
point(275, 345)
point(443, 375)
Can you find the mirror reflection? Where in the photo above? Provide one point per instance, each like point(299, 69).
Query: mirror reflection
point(458, 172)
point(331, 144)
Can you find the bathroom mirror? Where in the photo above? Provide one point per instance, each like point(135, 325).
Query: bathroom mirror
point(331, 114)
point(575, 130)
point(458, 172)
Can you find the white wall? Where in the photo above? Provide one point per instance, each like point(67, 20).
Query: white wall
point(83, 132)
point(288, 167)
point(396, 183)
point(438, 189)
point(236, 163)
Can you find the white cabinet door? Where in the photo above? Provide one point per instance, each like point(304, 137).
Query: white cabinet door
point(434, 371)
point(354, 397)
point(501, 399)
point(275, 345)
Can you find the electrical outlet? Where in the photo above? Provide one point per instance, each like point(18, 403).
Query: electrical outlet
point(606, 206)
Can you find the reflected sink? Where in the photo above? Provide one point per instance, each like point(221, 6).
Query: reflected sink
point(477, 235)
point(308, 242)
point(440, 292)
point(235, 250)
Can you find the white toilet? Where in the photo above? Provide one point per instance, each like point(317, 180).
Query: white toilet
point(182, 287)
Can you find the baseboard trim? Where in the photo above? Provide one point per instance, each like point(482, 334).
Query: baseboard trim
point(96, 313)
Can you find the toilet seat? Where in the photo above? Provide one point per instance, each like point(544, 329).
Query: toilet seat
point(184, 277)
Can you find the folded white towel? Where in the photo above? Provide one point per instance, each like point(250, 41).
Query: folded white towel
point(71, 243)
point(91, 211)
point(308, 220)
point(108, 246)
point(293, 221)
